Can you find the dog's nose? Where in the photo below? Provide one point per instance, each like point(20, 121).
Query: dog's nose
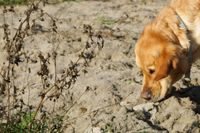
point(146, 95)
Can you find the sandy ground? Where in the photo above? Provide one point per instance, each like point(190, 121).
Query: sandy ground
point(112, 102)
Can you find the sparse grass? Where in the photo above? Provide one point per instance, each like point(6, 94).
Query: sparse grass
point(12, 2)
point(24, 123)
point(109, 128)
point(106, 21)
point(22, 2)
point(72, 0)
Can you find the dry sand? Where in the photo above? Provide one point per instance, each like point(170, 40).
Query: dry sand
point(112, 103)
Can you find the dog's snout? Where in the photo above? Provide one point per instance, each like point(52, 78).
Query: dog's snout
point(146, 95)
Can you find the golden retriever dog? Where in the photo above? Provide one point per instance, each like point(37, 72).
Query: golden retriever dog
point(167, 47)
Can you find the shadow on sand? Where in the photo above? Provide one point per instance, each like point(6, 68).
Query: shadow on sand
point(193, 93)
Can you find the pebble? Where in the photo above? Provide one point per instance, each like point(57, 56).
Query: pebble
point(145, 106)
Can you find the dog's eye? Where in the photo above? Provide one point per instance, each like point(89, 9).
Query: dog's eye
point(151, 71)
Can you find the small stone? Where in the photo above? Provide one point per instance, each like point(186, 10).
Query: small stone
point(146, 106)
point(93, 130)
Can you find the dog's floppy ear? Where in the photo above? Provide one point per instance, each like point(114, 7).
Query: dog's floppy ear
point(163, 66)
point(167, 61)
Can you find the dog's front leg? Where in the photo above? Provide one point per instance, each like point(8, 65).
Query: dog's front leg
point(187, 79)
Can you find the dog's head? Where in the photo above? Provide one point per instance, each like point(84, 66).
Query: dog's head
point(161, 62)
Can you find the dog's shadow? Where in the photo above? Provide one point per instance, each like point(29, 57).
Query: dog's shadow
point(192, 92)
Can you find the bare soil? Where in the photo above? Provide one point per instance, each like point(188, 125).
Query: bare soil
point(112, 101)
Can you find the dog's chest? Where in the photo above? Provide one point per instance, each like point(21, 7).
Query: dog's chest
point(194, 31)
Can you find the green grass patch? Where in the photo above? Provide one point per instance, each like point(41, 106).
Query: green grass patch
point(13, 2)
point(22, 2)
point(106, 21)
point(71, 0)
point(25, 123)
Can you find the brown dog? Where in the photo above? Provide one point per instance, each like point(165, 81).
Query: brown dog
point(168, 46)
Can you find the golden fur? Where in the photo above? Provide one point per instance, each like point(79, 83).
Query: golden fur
point(162, 51)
